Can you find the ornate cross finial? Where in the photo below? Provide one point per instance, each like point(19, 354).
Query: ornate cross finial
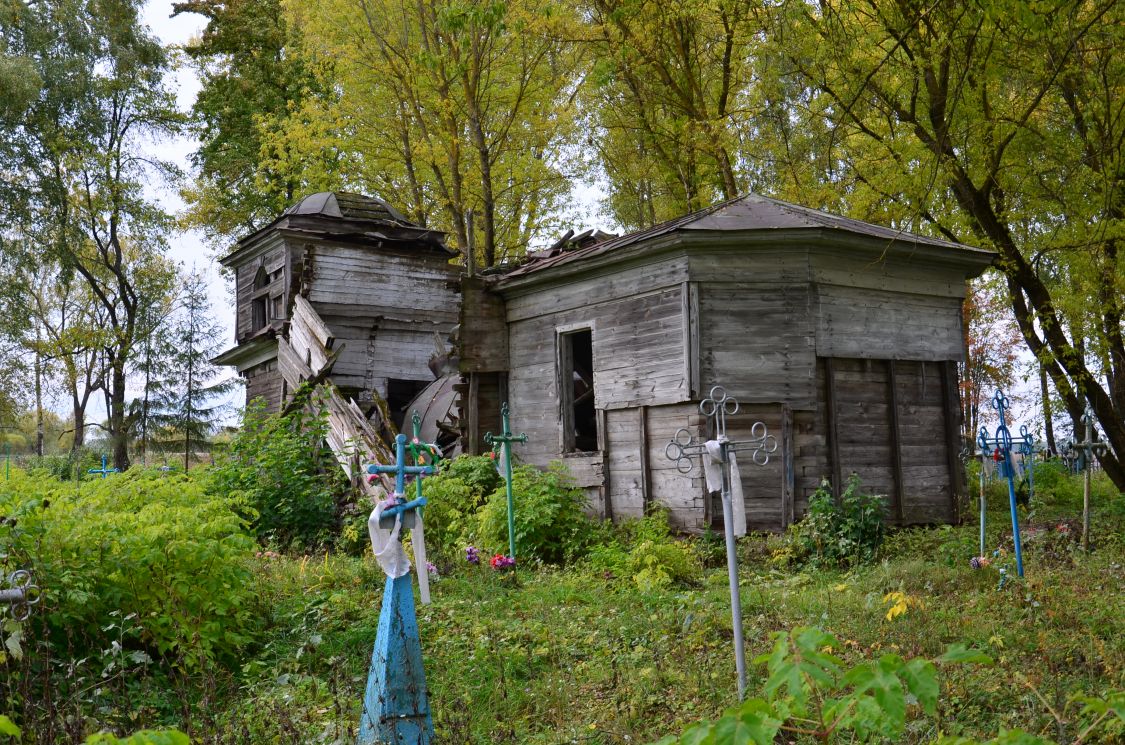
point(20, 595)
point(717, 407)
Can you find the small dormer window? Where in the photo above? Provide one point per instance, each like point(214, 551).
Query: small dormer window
point(258, 305)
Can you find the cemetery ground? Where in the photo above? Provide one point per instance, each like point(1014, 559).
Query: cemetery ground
point(162, 609)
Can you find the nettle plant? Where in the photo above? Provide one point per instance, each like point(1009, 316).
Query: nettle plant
point(810, 693)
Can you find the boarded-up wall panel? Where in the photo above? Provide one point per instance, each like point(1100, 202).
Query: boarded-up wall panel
point(876, 324)
point(757, 342)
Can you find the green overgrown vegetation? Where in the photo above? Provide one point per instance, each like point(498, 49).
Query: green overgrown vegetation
point(169, 603)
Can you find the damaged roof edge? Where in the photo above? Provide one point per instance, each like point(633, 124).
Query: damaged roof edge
point(973, 260)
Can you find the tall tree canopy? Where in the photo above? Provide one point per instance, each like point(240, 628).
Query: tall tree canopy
point(251, 81)
point(78, 153)
point(999, 124)
point(672, 100)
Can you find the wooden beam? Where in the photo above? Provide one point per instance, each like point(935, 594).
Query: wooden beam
point(689, 294)
point(788, 470)
point(646, 473)
point(833, 426)
point(951, 409)
point(896, 440)
point(472, 416)
point(607, 483)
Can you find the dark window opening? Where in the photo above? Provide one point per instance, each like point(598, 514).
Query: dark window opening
point(278, 310)
point(580, 420)
point(258, 308)
point(400, 394)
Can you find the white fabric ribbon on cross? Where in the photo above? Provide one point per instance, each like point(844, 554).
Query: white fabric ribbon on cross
point(418, 540)
point(385, 543)
point(713, 470)
point(389, 552)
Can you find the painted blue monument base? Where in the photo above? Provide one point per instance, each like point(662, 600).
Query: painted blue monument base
point(396, 710)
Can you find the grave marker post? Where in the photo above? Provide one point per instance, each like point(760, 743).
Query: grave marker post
point(103, 470)
point(682, 449)
point(1090, 447)
point(502, 445)
point(1000, 446)
point(396, 709)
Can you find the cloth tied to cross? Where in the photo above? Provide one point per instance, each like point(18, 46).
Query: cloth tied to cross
point(385, 543)
point(713, 471)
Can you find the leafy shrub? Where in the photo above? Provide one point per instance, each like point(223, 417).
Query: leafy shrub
point(841, 532)
point(142, 547)
point(279, 467)
point(454, 498)
point(66, 466)
point(656, 564)
point(550, 522)
point(644, 551)
point(809, 693)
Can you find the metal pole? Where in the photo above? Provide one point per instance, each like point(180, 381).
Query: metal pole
point(983, 505)
point(732, 573)
point(1015, 519)
point(508, 489)
point(1086, 508)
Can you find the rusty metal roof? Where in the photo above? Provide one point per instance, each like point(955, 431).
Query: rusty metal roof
point(349, 207)
point(748, 213)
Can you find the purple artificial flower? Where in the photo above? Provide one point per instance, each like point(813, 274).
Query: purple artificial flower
point(975, 562)
point(500, 561)
point(430, 568)
point(472, 555)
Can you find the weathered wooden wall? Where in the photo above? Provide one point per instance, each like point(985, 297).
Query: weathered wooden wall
point(890, 422)
point(264, 381)
point(640, 363)
point(384, 307)
point(272, 255)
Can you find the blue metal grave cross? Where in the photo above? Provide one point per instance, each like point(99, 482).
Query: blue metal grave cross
point(1089, 448)
point(502, 445)
point(682, 448)
point(396, 710)
point(103, 470)
point(999, 448)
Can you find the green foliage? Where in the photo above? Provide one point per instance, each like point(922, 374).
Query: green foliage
point(8, 728)
point(454, 498)
point(644, 551)
point(140, 556)
point(841, 532)
point(278, 467)
point(550, 523)
point(810, 691)
point(144, 737)
point(661, 564)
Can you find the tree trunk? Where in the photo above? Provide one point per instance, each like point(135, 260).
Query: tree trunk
point(1048, 424)
point(117, 433)
point(79, 425)
point(38, 399)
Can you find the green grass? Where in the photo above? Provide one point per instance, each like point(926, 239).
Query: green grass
point(552, 656)
point(564, 656)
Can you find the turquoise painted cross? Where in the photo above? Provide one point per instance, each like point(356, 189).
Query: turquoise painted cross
point(999, 448)
point(103, 470)
point(396, 710)
point(502, 446)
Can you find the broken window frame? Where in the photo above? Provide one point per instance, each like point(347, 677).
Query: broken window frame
point(568, 414)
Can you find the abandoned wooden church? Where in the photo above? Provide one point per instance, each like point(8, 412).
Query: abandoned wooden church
point(842, 336)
